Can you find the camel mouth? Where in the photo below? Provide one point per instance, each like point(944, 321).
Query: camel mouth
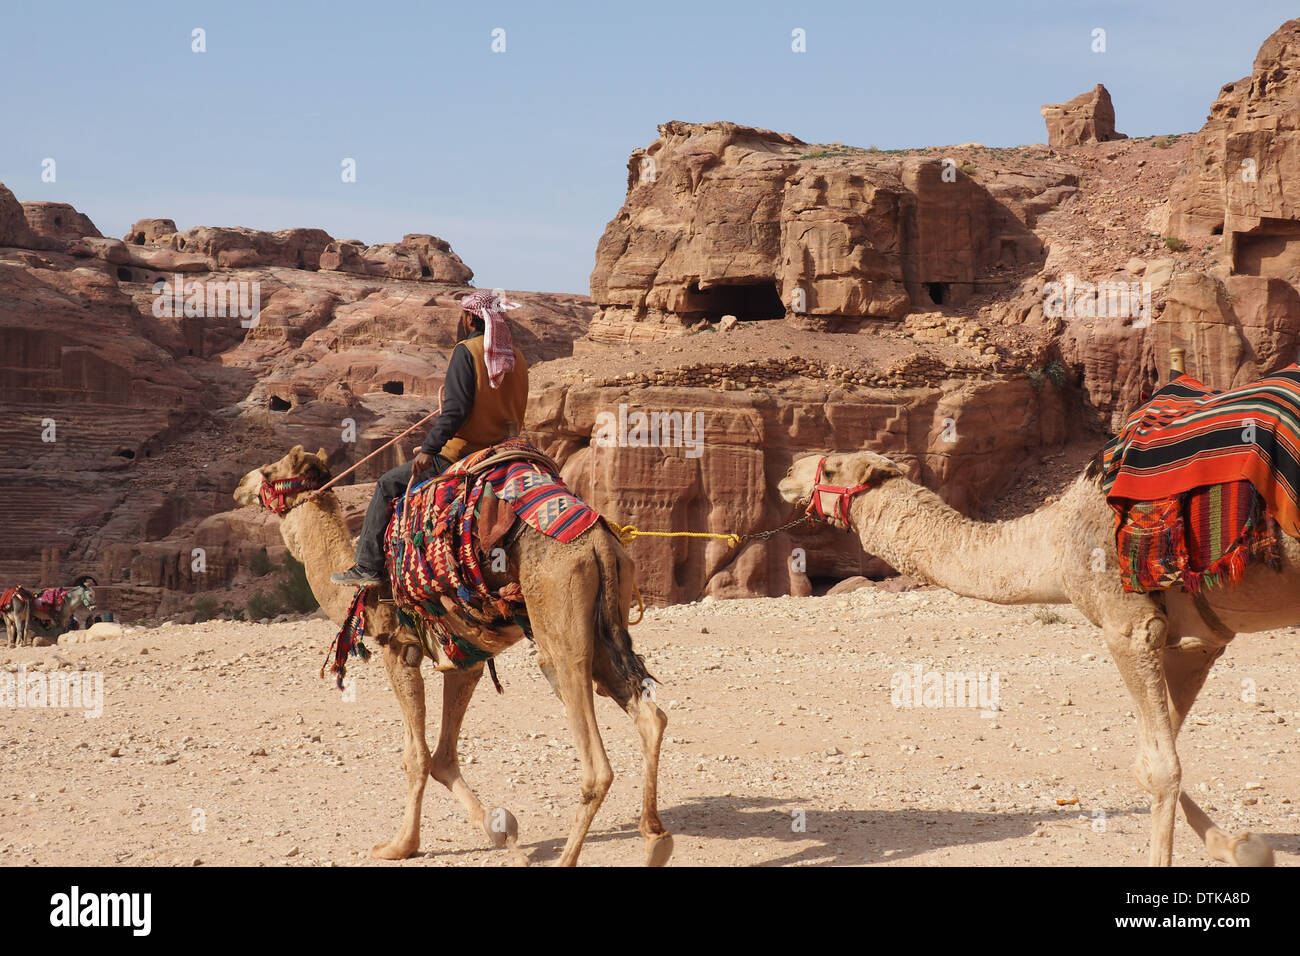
point(792, 492)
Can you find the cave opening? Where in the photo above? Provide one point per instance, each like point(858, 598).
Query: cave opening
point(394, 388)
point(749, 302)
point(278, 404)
point(123, 274)
point(938, 291)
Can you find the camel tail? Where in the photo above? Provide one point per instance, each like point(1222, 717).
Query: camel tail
point(612, 604)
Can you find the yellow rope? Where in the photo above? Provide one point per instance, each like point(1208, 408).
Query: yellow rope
point(626, 533)
point(640, 605)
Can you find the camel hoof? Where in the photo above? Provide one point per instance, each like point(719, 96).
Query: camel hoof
point(1251, 850)
point(501, 827)
point(392, 851)
point(659, 850)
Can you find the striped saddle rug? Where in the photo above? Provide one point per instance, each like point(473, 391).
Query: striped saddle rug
point(1201, 481)
point(1189, 436)
point(446, 530)
point(1196, 541)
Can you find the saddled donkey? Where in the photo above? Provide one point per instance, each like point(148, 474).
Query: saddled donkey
point(56, 608)
point(16, 609)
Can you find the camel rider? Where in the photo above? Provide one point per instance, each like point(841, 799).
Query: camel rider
point(486, 393)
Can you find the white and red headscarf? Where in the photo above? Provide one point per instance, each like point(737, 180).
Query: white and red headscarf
point(498, 347)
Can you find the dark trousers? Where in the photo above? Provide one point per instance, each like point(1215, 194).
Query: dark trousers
point(370, 545)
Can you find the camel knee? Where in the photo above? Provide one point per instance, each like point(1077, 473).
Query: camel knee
point(597, 784)
point(1163, 779)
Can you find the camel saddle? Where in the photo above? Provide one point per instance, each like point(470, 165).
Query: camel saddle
point(447, 529)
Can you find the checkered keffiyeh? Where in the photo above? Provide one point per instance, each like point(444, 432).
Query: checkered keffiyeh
point(498, 347)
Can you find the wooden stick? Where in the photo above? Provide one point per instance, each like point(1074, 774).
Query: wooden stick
point(387, 444)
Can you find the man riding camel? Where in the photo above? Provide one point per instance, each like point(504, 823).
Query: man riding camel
point(486, 394)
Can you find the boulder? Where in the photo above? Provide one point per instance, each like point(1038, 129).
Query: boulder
point(1088, 118)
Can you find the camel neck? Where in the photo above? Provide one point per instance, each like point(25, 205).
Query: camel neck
point(1005, 562)
point(317, 535)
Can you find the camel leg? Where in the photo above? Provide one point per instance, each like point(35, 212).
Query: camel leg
point(572, 660)
point(650, 722)
point(1137, 647)
point(500, 826)
point(408, 685)
point(1186, 669)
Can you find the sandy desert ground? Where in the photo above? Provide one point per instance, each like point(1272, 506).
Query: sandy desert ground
point(220, 744)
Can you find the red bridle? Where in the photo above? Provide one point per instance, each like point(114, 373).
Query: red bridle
point(273, 493)
point(840, 495)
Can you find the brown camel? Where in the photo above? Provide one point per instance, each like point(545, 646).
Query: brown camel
point(1064, 553)
point(578, 595)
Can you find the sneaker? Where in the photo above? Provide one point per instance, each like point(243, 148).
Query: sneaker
point(357, 576)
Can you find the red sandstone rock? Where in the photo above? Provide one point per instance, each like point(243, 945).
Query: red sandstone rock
point(58, 220)
point(726, 219)
point(14, 230)
point(1088, 118)
point(1241, 178)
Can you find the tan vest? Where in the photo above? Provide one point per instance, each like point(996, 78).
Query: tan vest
point(498, 413)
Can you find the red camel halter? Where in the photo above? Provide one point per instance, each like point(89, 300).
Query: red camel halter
point(842, 496)
point(274, 493)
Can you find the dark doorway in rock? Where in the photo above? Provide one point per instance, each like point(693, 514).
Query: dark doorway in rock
point(123, 274)
point(124, 453)
point(751, 302)
point(938, 291)
point(278, 404)
point(394, 388)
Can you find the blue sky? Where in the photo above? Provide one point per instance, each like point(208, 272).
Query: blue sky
point(519, 158)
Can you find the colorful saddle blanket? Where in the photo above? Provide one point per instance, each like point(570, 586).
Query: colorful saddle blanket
point(48, 602)
point(1198, 540)
point(8, 597)
point(442, 534)
point(1189, 436)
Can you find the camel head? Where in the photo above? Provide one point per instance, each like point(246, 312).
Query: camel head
point(857, 472)
point(282, 484)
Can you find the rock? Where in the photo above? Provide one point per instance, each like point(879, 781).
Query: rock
point(721, 219)
point(99, 631)
point(14, 230)
point(1136, 266)
point(727, 323)
point(853, 583)
point(1242, 162)
point(416, 257)
point(149, 232)
point(1088, 118)
point(1159, 272)
point(58, 220)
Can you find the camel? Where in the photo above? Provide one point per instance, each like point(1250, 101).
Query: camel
point(17, 615)
point(1163, 644)
point(578, 596)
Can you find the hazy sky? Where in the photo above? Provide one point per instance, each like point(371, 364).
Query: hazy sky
point(519, 158)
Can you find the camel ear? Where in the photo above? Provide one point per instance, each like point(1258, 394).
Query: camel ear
point(295, 453)
point(320, 453)
point(877, 468)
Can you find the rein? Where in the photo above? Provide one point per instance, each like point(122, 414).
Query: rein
point(840, 497)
